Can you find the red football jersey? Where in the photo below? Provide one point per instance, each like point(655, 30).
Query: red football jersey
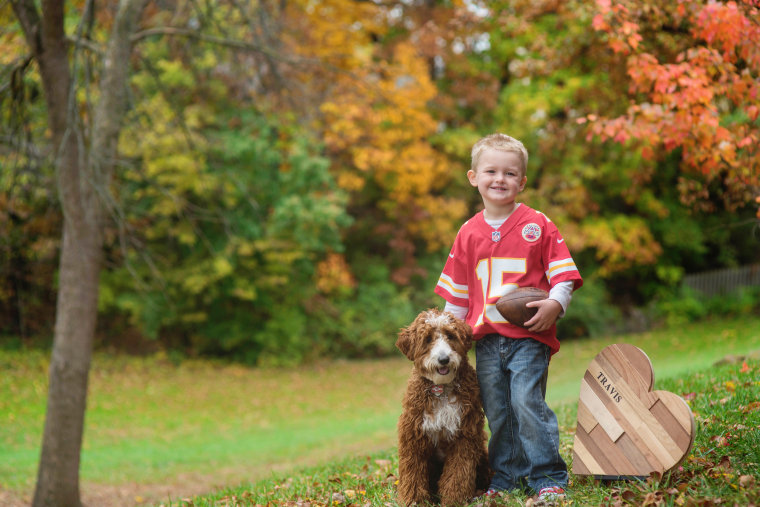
point(486, 263)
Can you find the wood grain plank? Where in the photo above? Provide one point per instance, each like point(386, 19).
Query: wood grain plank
point(583, 460)
point(681, 410)
point(634, 417)
point(620, 462)
point(625, 428)
point(672, 425)
point(597, 406)
point(614, 366)
point(603, 463)
point(579, 466)
point(638, 360)
point(644, 462)
point(586, 419)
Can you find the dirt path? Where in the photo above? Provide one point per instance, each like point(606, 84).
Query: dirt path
point(189, 485)
point(130, 495)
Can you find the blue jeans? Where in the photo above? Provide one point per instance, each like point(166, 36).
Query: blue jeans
point(524, 445)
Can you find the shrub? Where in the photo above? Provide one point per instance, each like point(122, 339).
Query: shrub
point(590, 313)
point(365, 322)
point(687, 305)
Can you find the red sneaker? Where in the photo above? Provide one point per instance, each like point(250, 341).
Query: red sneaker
point(550, 496)
point(492, 493)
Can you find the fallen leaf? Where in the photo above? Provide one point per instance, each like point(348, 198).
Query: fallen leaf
point(628, 495)
point(650, 499)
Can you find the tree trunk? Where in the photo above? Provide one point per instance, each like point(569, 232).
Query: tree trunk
point(83, 183)
point(58, 473)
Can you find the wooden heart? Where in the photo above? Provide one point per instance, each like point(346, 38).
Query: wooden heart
point(625, 429)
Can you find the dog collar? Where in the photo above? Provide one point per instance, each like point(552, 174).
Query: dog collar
point(437, 389)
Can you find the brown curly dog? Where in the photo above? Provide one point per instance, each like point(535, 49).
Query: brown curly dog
point(442, 442)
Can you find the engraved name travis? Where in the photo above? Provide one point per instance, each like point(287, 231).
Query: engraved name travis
point(607, 386)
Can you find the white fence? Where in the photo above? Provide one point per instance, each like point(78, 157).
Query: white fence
point(724, 281)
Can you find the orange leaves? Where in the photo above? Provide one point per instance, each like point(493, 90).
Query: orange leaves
point(614, 19)
point(704, 102)
point(726, 27)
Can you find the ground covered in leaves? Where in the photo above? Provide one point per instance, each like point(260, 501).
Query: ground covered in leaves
point(723, 467)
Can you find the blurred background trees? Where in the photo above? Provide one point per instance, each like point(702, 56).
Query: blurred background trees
point(292, 174)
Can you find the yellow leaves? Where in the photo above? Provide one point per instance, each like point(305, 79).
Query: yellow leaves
point(621, 243)
point(185, 233)
point(222, 267)
point(171, 172)
point(206, 274)
point(193, 317)
point(336, 31)
point(12, 42)
point(334, 275)
point(195, 283)
point(244, 290)
point(441, 215)
point(381, 134)
point(174, 74)
point(350, 181)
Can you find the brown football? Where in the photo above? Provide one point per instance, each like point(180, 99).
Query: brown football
point(512, 304)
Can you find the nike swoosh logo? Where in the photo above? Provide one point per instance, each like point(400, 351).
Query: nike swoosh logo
point(560, 240)
point(451, 255)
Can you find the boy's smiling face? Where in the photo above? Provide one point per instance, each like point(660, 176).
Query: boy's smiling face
point(499, 177)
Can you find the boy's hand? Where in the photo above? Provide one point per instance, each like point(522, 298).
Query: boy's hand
point(548, 311)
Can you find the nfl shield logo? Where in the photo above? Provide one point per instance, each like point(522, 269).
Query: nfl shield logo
point(495, 236)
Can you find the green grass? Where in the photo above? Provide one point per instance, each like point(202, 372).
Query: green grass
point(206, 424)
point(723, 467)
point(150, 421)
point(673, 352)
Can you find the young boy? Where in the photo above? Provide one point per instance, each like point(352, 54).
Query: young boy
point(505, 246)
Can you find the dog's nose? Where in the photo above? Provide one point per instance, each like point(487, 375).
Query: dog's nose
point(443, 359)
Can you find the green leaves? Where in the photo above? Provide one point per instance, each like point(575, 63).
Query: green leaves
point(230, 227)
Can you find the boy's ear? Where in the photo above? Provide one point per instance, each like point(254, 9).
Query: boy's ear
point(471, 177)
point(523, 182)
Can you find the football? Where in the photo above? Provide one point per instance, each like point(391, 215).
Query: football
point(512, 304)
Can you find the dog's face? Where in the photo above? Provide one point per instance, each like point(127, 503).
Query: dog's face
point(437, 342)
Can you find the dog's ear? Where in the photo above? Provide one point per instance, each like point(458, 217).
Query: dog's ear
point(465, 332)
point(404, 342)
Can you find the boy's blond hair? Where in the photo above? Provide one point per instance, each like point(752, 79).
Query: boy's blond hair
point(501, 142)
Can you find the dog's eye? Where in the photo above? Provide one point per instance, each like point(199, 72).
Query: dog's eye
point(428, 339)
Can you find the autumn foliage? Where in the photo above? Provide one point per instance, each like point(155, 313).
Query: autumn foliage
point(297, 169)
point(697, 93)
